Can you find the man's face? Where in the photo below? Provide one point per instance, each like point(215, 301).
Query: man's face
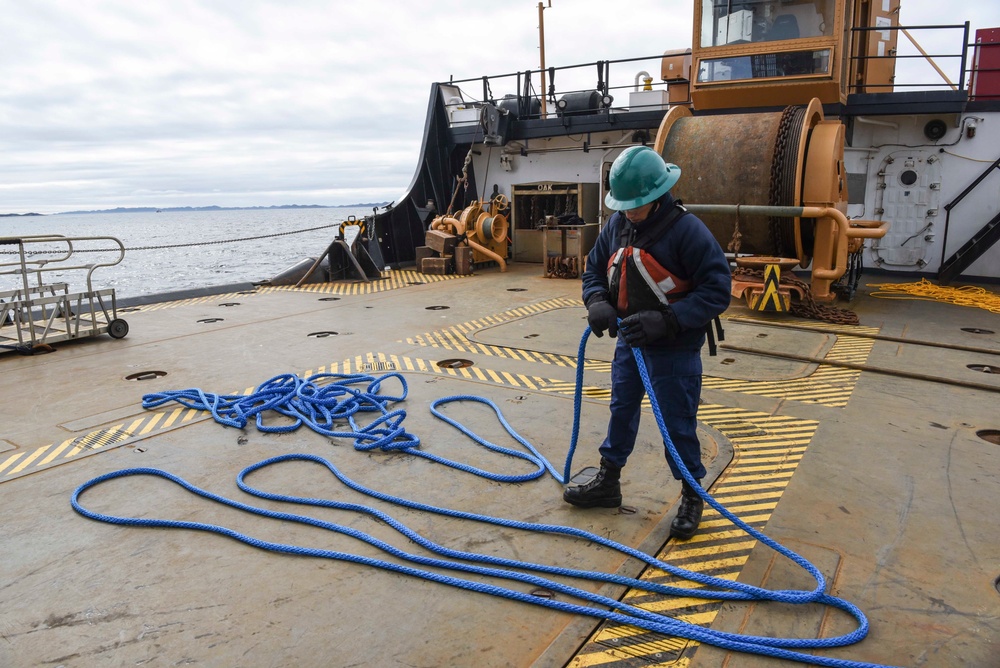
point(640, 213)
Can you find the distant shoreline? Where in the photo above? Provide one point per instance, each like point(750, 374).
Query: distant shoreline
point(166, 209)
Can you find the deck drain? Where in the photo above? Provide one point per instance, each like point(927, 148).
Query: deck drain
point(627, 510)
point(437, 308)
point(211, 320)
point(989, 435)
point(379, 366)
point(977, 330)
point(543, 593)
point(983, 368)
point(247, 292)
point(531, 336)
point(517, 289)
point(146, 375)
point(321, 335)
point(329, 299)
point(728, 360)
point(415, 283)
point(128, 309)
point(229, 304)
point(454, 364)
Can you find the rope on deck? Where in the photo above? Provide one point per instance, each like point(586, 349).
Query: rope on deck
point(320, 406)
point(924, 290)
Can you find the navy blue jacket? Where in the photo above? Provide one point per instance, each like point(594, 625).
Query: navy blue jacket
point(687, 250)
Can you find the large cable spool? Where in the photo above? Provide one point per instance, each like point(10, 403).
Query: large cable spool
point(491, 228)
point(754, 158)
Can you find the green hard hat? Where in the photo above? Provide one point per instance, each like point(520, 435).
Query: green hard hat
point(639, 176)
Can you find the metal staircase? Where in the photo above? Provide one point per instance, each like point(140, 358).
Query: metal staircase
point(980, 242)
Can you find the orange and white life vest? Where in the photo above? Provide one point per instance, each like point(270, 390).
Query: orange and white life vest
point(636, 281)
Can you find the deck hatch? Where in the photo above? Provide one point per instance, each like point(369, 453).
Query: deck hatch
point(989, 435)
point(455, 363)
point(146, 375)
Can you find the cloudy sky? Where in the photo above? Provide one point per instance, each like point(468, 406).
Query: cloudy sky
point(107, 103)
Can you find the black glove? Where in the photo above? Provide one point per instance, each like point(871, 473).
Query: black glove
point(645, 327)
point(601, 315)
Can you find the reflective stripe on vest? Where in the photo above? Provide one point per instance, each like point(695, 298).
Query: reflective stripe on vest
point(646, 285)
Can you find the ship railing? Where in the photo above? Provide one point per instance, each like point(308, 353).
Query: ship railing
point(55, 254)
point(35, 310)
point(979, 243)
point(575, 94)
point(907, 71)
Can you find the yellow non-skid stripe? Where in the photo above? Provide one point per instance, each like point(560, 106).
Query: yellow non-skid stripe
point(823, 386)
point(390, 281)
point(10, 460)
point(27, 460)
point(750, 487)
point(56, 452)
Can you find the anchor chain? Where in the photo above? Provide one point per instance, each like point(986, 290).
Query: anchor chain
point(187, 245)
point(808, 307)
point(777, 184)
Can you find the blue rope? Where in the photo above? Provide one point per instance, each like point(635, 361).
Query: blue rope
point(307, 401)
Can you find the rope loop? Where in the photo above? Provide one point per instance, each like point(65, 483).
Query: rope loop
point(320, 400)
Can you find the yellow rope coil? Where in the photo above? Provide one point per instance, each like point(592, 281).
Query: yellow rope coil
point(966, 295)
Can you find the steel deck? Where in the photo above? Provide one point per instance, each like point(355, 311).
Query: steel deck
point(881, 481)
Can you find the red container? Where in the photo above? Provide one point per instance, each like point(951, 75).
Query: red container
point(984, 82)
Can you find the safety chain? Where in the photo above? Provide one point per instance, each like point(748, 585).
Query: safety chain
point(463, 180)
point(808, 307)
point(777, 163)
point(189, 245)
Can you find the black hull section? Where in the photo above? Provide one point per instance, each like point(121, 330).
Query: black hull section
point(401, 227)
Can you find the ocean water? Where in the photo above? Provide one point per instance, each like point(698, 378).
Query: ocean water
point(212, 258)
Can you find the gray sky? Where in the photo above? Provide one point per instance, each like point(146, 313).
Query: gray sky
point(107, 103)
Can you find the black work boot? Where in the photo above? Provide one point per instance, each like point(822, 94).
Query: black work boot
point(689, 514)
point(604, 491)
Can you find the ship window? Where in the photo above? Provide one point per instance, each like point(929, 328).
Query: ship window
point(764, 66)
point(741, 21)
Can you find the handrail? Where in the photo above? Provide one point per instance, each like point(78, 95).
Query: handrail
point(522, 81)
point(962, 55)
point(55, 264)
point(958, 198)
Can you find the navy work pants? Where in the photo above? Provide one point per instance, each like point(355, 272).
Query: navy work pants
point(676, 379)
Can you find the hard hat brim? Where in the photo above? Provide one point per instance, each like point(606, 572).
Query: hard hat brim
point(673, 175)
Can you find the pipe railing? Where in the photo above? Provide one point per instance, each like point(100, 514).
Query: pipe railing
point(523, 88)
point(961, 56)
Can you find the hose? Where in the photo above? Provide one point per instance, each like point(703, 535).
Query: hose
point(316, 407)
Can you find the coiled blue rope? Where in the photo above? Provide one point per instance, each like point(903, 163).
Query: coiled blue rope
point(316, 405)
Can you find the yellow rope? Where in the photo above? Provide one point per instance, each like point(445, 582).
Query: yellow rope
point(966, 295)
